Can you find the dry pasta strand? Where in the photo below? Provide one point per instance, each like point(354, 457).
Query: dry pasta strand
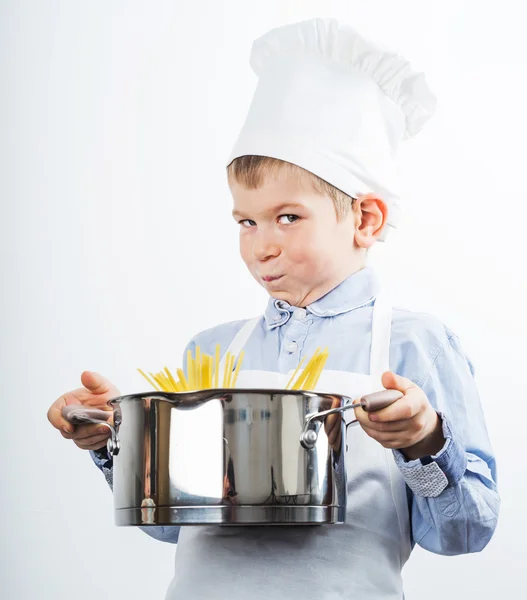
point(229, 370)
point(159, 381)
point(210, 360)
point(197, 365)
point(312, 373)
point(203, 372)
point(287, 387)
point(168, 384)
point(155, 379)
point(216, 365)
point(323, 360)
point(225, 369)
point(305, 382)
point(237, 370)
point(182, 379)
point(207, 383)
point(305, 373)
point(190, 371)
point(315, 372)
point(172, 380)
point(154, 385)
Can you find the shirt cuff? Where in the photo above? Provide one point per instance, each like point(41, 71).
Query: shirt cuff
point(431, 475)
point(104, 462)
point(101, 458)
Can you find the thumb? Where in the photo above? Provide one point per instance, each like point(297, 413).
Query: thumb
point(96, 383)
point(392, 381)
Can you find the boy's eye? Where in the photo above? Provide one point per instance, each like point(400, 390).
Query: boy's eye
point(287, 219)
point(247, 223)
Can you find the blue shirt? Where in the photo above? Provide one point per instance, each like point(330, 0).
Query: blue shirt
point(463, 517)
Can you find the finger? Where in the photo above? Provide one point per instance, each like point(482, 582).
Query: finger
point(333, 427)
point(96, 383)
point(83, 432)
point(94, 443)
point(387, 426)
point(94, 439)
point(330, 420)
point(404, 409)
point(55, 416)
point(362, 416)
point(395, 426)
point(392, 381)
point(334, 436)
point(393, 440)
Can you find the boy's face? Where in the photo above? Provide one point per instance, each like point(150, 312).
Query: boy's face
point(291, 240)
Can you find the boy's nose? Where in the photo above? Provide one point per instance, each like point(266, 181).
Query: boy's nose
point(265, 247)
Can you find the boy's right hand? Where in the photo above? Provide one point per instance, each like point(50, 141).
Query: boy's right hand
point(96, 393)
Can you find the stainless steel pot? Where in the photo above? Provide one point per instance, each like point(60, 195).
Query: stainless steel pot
point(228, 456)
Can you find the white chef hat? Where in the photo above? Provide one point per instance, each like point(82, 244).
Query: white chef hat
point(331, 102)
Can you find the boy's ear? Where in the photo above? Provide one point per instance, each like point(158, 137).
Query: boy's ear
point(372, 214)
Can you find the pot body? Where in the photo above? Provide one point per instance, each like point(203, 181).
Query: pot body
point(230, 456)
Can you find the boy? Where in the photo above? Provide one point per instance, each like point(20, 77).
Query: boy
point(312, 180)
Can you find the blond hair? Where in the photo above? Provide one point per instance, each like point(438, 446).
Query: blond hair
point(251, 171)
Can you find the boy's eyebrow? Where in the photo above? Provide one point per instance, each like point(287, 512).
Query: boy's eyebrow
point(274, 209)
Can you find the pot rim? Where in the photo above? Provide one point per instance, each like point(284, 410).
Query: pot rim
point(217, 393)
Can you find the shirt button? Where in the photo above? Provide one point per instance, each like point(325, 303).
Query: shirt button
point(300, 314)
point(277, 317)
point(291, 347)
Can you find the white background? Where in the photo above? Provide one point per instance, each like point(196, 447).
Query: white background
point(117, 245)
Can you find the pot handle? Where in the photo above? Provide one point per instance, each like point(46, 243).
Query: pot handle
point(369, 403)
point(76, 414)
point(377, 400)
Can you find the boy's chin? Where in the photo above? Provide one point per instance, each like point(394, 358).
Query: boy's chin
point(275, 290)
point(282, 295)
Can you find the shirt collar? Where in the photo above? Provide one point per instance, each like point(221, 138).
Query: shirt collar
point(357, 290)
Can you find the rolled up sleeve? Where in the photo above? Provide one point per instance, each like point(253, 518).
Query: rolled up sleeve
point(454, 497)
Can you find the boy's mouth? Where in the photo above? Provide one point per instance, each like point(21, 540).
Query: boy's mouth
point(271, 278)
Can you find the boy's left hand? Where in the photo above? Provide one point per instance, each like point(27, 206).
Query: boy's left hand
point(410, 424)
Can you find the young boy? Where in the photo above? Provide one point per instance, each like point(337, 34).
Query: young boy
point(312, 179)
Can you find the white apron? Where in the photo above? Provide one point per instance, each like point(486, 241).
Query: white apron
point(361, 559)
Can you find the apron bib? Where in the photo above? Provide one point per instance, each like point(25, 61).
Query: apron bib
point(361, 559)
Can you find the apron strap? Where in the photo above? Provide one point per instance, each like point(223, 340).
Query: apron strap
point(240, 339)
point(381, 329)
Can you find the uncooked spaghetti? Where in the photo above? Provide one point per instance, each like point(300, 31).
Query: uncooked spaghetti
point(203, 372)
